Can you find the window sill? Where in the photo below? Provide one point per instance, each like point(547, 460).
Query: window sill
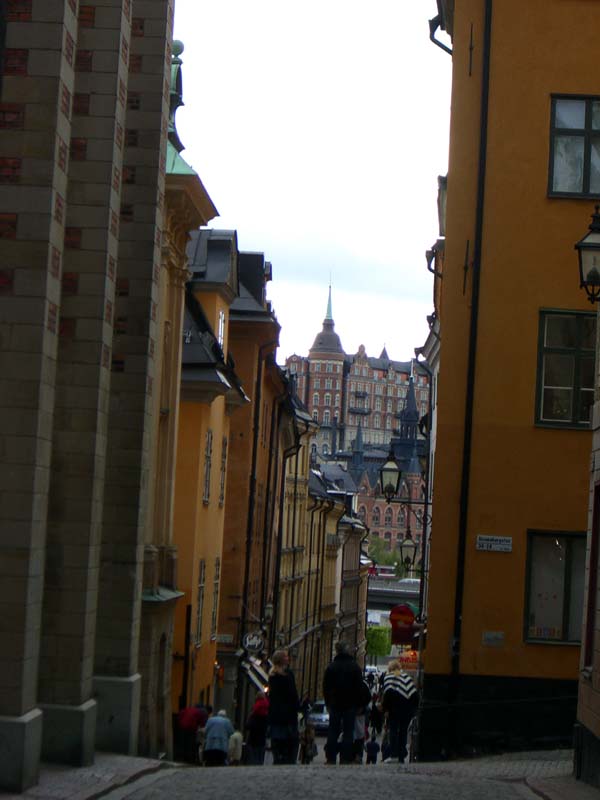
point(566, 426)
point(572, 196)
point(552, 642)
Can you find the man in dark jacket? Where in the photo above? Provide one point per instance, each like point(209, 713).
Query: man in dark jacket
point(343, 694)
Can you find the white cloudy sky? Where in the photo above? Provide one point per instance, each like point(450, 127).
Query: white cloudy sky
point(319, 129)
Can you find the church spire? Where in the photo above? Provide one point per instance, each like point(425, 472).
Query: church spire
point(329, 314)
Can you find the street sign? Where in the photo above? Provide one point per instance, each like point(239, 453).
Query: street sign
point(496, 544)
point(253, 642)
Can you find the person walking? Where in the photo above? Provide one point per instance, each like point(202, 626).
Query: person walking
point(399, 702)
point(189, 722)
point(256, 730)
point(217, 732)
point(284, 705)
point(372, 748)
point(343, 694)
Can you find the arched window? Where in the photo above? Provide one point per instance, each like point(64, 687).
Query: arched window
point(362, 513)
point(377, 421)
point(389, 516)
point(375, 534)
point(325, 449)
point(402, 518)
point(315, 415)
point(376, 516)
point(388, 423)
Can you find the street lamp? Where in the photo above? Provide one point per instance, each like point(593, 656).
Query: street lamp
point(408, 551)
point(588, 250)
point(390, 476)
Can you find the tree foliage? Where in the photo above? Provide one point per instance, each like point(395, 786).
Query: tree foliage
point(379, 641)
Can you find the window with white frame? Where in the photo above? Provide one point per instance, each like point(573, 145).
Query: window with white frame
point(315, 399)
point(555, 583)
point(221, 328)
point(223, 471)
point(208, 444)
point(215, 608)
point(326, 417)
point(200, 600)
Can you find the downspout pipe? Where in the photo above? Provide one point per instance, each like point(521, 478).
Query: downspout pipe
point(287, 454)
point(426, 529)
point(262, 350)
point(472, 355)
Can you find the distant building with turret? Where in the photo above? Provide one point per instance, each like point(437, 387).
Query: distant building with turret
point(347, 393)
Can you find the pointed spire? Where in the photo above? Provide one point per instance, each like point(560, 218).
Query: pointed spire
point(358, 442)
point(414, 466)
point(329, 315)
point(384, 354)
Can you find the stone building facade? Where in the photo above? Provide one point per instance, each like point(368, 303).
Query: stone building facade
point(92, 250)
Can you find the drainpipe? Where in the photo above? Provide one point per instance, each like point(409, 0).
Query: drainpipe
point(472, 357)
point(287, 454)
point(310, 509)
point(328, 506)
point(251, 505)
point(273, 469)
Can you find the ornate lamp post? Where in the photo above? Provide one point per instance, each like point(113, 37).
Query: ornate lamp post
point(588, 250)
point(390, 476)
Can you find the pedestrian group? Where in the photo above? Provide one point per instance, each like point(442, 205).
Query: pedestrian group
point(360, 711)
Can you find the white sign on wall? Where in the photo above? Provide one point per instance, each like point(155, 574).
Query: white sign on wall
point(496, 544)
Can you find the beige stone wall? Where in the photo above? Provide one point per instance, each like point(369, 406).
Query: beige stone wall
point(35, 119)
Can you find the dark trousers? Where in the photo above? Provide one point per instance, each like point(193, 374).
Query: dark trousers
point(398, 728)
point(215, 758)
point(285, 751)
point(340, 722)
point(255, 754)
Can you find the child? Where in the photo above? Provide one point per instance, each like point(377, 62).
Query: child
point(308, 747)
point(372, 748)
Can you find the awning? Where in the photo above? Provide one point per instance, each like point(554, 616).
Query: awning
point(257, 677)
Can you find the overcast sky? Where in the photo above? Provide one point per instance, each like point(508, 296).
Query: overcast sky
point(319, 129)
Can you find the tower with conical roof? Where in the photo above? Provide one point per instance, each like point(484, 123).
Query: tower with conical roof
point(327, 343)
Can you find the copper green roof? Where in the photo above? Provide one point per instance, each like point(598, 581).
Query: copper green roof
point(176, 165)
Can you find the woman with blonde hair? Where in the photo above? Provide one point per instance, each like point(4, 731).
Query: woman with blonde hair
point(399, 701)
point(284, 705)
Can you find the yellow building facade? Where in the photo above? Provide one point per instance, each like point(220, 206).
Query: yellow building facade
point(515, 378)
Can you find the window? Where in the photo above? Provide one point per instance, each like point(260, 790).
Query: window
point(337, 400)
point(388, 406)
point(377, 421)
point(315, 399)
point(200, 601)
point(329, 367)
point(328, 383)
point(555, 576)
point(376, 516)
point(326, 417)
point(402, 518)
point(215, 608)
point(325, 449)
point(575, 146)
point(317, 383)
point(362, 513)
point(388, 517)
point(327, 399)
point(315, 415)
point(378, 404)
point(388, 423)
point(223, 471)
point(317, 366)
point(207, 465)
point(293, 368)
point(221, 329)
point(565, 386)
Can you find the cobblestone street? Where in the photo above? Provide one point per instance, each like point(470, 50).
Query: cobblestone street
point(507, 777)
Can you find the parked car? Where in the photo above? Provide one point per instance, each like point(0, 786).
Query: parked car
point(318, 716)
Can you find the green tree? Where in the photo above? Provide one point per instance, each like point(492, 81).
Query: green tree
point(380, 555)
point(379, 641)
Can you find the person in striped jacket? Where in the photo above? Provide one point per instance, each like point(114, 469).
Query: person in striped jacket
point(399, 701)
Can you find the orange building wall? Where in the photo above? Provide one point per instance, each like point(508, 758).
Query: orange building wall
point(522, 476)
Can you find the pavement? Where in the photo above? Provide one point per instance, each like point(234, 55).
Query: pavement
point(511, 776)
